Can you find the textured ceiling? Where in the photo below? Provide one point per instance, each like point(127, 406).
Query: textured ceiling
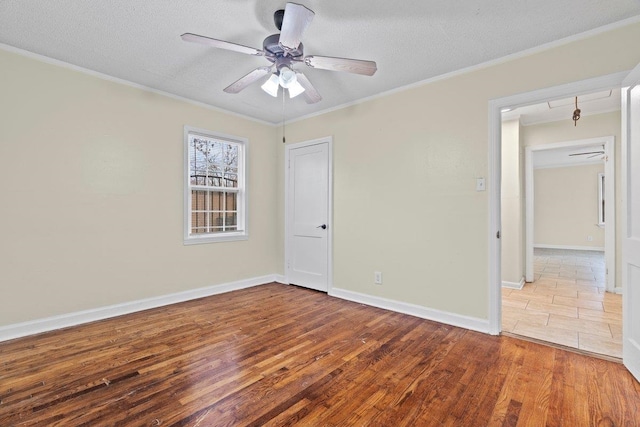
point(411, 41)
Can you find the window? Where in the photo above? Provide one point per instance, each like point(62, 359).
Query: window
point(601, 199)
point(215, 187)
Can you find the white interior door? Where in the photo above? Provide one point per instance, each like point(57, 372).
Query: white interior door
point(631, 220)
point(307, 223)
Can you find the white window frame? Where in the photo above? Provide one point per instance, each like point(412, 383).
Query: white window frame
point(601, 200)
point(242, 232)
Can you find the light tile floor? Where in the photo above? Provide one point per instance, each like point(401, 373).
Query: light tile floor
point(567, 303)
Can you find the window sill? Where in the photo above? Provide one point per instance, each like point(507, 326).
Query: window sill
point(216, 239)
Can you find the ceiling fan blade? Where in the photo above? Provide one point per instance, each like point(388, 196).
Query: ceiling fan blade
point(245, 81)
point(587, 152)
point(221, 44)
point(310, 93)
point(296, 20)
point(357, 66)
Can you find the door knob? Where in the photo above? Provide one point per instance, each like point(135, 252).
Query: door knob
point(323, 226)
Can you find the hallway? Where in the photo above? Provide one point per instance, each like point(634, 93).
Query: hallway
point(567, 303)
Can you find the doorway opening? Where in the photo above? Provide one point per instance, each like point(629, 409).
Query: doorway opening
point(561, 276)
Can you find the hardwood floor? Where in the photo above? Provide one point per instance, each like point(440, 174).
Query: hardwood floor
point(567, 303)
point(281, 355)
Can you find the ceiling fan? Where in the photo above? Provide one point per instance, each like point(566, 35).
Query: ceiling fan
point(591, 154)
point(283, 51)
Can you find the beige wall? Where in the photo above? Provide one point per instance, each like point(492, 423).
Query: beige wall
point(433, 251)
point(91, 182)
point(589, 126)
point(512, 228)
point(566, 206)
point(93, 216)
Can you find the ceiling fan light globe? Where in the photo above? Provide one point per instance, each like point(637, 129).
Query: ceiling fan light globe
point(287, 77)
point(295, 89)
point(271, 86)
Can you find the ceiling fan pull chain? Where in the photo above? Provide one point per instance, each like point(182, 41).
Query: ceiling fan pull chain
point(284, 140)
point(576, 114)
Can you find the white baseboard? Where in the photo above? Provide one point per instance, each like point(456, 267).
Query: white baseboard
point(46, 324)
point(630, 360)
point(72, 319)
point(473, 323)
point(513, 285)
point(573, 248)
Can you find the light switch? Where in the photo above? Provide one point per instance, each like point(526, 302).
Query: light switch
point(480, 184)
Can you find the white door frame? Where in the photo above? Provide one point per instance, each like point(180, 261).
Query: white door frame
point(630, 241)
point(287, 153)
point(610, 227)
point(494, 163)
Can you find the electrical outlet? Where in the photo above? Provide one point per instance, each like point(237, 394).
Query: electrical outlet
point(377, 278)
point(590, 238)
point(480, 184)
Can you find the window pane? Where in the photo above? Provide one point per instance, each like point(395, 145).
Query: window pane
point(215, 153)
point(198, 200)
point(216, 220)
point(231, 156)
point(216, 200)
point(232, 201)
point(231, 180)
point(231, 219)
point(192, 165)
point(197, 161)
point(215, 178)
point(198, 222)
point(213, 163)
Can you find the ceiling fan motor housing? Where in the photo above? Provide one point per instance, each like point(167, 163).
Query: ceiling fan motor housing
point(271, 45)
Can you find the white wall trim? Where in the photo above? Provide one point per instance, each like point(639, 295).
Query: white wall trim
point(46, 324)
point(280, 278)
point(569, 165)
point(513, 285)
point(539, 122)
point(569, 247)
point(494, 163)
point(466, 322)
point(494, 178)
